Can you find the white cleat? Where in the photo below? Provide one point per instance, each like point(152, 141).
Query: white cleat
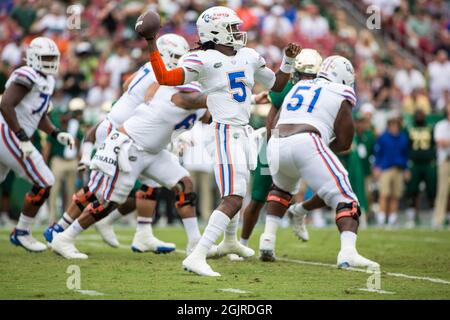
point(144, 242)
point(199, 266)
point(226, 247)
point(350, 258)
point(212, 252)
point(23, 238)
point(106, 230)
point(298, 222)
point(65, 247)
point(267, 248)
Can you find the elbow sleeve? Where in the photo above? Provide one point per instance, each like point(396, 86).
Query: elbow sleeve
point(166, 77)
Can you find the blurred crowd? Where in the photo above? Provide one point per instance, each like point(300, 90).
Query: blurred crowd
point(99, 50)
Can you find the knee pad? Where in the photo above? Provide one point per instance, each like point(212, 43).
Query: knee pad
point(99, 211)
point(147, 193)
point(37, 196)
point(186, 199)
point(351, 210)
point(280, 196)
point(83, 200)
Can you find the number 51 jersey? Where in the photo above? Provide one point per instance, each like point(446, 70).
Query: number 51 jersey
point(35, 104)
point(317, 103)
point(227, 80)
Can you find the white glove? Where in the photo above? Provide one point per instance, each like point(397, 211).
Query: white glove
point(66, 139)
point(86, 151)
point(27, 148)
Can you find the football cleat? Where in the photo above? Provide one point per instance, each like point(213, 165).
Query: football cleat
point(143, 242)
point(298, 222)
point(267, 248)
point(49, 232)
point(199, 266)
point(226, 247)
point(106, 230)
point(212, 252)
point(23, 238)
point(349, 258)
point(65, 246)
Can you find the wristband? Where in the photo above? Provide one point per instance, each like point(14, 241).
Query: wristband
point(21, 135)
point(287, 65)
point(253, 99)
point(55, 133)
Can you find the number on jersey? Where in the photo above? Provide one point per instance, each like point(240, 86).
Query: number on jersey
point(187, 122)
point(298, 98)
point(237, 86)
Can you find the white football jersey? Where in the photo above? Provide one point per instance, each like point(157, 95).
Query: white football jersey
point(125, 107)
point(227, 80)
point(317, 103)
point(35, 104)
point(153, 124)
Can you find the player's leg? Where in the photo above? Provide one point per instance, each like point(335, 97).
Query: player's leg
point(34, 169)
point(232, 175)
point(396, 194)
point(324, 173)
point(261, 184)
point(412, 192)
point(384, 188)
point(299, 212)
point(146, 198)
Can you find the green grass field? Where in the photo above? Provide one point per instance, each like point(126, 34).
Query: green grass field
point(415, 264)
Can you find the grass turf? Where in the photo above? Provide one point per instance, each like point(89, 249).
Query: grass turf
point(122, 274)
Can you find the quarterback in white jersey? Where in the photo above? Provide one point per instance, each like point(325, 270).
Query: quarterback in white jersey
point(24, 110)
point(315, 121)
point(227, 71)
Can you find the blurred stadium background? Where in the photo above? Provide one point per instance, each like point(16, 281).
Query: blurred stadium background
point(403, 72)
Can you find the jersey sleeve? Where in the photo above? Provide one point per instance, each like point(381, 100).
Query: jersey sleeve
point(190, 87)
point(192, 64)
point(24, 76)
point(348, 94)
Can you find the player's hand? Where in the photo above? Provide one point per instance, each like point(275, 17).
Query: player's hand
point(83, 165)
point(376, 173)
point(292, 50)
point(27, 148)
point(66, 139)
point(407, 175)
point(262, 97)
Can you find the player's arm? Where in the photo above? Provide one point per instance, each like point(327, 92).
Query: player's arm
point(11, 98)
point(151, 90)
point(189, 100)
point(277, 81)
point(127, 82)
point(206, 118)
point(63, 138)
point(344, 128)
point(271, 120)
point(172, 77)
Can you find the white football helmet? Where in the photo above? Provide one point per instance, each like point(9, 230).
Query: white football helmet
point(221, 25)
point(337, 69)
point(171, 47)
point(308, 61)
point(43, 55)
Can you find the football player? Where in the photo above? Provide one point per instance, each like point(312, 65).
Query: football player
point(23, 110)
point(306, 65)
point(139, 88)
point(315, 122)
point(137, 150)
point(227, 71)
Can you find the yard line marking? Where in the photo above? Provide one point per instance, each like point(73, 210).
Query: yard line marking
point(233, 290)
point(393, 274)
point(376, 291)
point(90, 292)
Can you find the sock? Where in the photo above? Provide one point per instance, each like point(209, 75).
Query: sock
point(74, 230)
point(114, 216)
point(217, 224)
point(410, 214)
point(25, 222)
point(144, 224)
point(244, 242)
point(191, 227)
point(381, 218)
point(231, 230)
point(272, 224)
point(392, 219)
point(65, 221)
point(348, 240)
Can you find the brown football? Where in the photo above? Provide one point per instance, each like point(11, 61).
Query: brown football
point(148, 24)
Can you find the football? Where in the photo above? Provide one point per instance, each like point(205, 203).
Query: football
point(148, 24)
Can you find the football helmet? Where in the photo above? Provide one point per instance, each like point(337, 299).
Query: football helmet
point(337, 69)
point(171, 47)
point(221, 26)
point(43, 55)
